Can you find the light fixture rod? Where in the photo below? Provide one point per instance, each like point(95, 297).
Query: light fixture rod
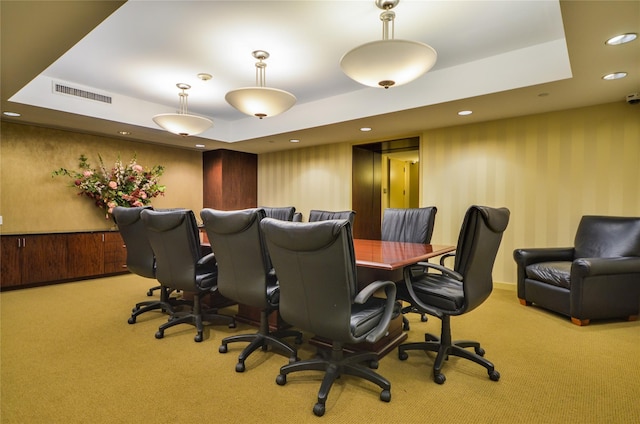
point(261, 79)
point(184, 106)
point(387, 18)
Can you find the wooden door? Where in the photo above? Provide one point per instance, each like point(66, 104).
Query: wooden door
point(366, 188)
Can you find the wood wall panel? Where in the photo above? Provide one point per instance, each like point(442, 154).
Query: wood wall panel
point(230, 180)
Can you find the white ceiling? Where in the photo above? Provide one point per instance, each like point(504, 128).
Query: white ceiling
point(139, 52)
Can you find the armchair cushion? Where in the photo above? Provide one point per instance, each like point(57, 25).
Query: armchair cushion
point(556, 273)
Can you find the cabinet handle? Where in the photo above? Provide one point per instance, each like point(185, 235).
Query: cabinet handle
point(24, 242)
point(103, 237)
point(19, 242)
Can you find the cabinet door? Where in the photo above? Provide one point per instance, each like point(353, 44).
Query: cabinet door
point(10, 261)
point(85, 254)
point(44, 258)
point(115, 253)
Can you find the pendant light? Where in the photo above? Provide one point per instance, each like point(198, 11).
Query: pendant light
point(388, 62)
point(260, 101)
point(182, 123)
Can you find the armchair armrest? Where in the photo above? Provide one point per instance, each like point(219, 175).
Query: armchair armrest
point(366, 293)
point(526, 257)
point(589, 267)
point(207, 263)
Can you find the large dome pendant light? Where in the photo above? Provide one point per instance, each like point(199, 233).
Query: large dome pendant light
point(388, 62)
point(182, 123)
point(260, 101)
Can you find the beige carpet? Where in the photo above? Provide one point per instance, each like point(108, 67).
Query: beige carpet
point(69, 356)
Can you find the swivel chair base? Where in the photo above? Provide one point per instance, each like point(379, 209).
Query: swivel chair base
point(263, 339)
point(445, 347)
point(336, 365)
point(196, 318)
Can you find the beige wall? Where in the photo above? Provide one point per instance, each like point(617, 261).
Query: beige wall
point(308, 178)
point(548, 169)
point(32, 201)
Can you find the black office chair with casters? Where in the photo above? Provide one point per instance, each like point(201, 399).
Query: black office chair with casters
point(315, 263)
point(459, 290)
point(316, 215)
point(140, 258)
point(245, 275)
point(411, 225)
point(175, 240)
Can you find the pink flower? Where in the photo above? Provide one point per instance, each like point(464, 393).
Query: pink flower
point(77, 182)
point(137, 168)
point(137, 203)
point(143, 195)
point(87, 173)
point(113, 185)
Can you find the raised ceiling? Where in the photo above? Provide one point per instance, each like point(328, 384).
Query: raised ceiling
point(498, 58)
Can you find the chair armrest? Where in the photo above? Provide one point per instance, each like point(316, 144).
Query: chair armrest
point(447, 255)
point(206, 259)
point(589, 267)
point(366, 293)
point(443, 269)
point(526, 257)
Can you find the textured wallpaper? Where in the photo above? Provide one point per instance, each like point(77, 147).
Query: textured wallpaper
point(548, 169)
point(31, 201)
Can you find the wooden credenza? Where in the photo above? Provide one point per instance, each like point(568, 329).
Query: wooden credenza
point(36, 259)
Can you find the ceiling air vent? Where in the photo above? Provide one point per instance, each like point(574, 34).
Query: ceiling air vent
point(70, 91)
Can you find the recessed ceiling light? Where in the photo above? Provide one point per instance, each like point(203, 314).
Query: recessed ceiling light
point(204, 76)
point(200, 146)
point(614, 76)
point(294, 140)
point(12, 114)
point(365, 129)
point(124, 133)
point(465, 112)
point(622, 38)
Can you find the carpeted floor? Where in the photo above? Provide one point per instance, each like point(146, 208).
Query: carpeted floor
point(69, 356)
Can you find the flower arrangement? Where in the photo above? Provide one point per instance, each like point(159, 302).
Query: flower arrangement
point(123, 185)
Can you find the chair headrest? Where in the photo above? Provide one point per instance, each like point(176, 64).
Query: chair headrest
point(230, 222)
point(496, 219)
point(306, 236)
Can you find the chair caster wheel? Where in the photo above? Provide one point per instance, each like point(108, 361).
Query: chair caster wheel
point(439, 378)
point(318, 409)
point(223, 348)
point(281, 379)
point(403, 356)
point(159, 334)
point(385, 396)
point(298, 340)
point(232, 325)
point(494, 375)
point(240, 367)
point(293, 359)
point(131, 320)
point(479, 351)
point(150, 293)
point(374, 364)
point(198, 338)
point(424, 318)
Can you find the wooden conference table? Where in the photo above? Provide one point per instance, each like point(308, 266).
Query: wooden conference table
point(375, 260)
point(385, 260)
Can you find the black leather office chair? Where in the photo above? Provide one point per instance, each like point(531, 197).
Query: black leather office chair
point(285, 213)
point(597, 278)
point(315, 263)
point(246, 276)
point(297, 217)
point(319, 215)
point(411, 225)
point(175, 240)
point(459, 290)
point(140, 258)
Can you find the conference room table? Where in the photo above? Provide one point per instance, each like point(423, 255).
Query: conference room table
point(375, 260)
point(385, 260)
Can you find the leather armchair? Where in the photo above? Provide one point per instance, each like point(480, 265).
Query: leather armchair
point(597, 278)
point(319, 215)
